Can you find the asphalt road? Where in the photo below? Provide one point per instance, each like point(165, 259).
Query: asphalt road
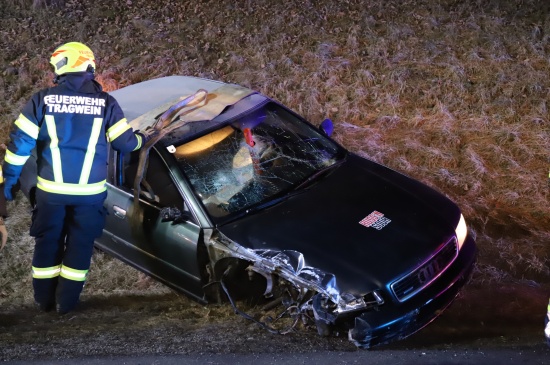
point(539, 354)
point(486, 325)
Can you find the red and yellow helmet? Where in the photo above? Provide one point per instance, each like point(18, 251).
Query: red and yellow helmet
point(72, 57)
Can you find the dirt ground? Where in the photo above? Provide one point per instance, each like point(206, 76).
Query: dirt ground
point(509, 316)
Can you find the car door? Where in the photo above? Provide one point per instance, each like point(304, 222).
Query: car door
point(165, 250)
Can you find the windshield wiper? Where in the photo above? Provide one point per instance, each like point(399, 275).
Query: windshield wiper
point(316, 176)
point(258, 207)
point(280, 197)
point(284, 195)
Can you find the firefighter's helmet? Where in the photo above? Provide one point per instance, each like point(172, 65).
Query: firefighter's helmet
point(72, 57)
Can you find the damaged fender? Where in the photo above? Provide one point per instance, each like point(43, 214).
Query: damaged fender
point(319, 296)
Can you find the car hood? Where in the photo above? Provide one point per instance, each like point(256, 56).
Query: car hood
point(403, 223)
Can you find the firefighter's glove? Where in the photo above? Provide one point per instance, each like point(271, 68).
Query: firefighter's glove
point(144, 137)
point(8, 190)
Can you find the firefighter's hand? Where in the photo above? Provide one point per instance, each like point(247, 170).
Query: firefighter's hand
point(143, 137)
point(4, 233)
point(146, 134)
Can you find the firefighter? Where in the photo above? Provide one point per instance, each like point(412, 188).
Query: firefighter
point(70, 125)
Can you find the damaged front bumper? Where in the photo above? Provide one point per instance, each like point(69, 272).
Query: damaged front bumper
point(369, 319)
point(397, 321)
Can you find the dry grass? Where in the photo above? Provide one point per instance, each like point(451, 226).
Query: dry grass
point(453, 93)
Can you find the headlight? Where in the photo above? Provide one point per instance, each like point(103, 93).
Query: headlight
point(461, 231)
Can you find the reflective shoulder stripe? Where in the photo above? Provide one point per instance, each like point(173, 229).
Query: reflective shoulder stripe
point(90, 152)
point(73, 274)
point(140, 141)
point(117, 129)
point(70, 189)
point(27, 126)
point(54, 148)
point(14, 159)
point(46, 272)
point(1, 175)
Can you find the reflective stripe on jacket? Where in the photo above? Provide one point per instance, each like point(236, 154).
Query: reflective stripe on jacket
point(70, 129)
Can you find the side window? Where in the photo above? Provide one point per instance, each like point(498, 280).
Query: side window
point(157, 186)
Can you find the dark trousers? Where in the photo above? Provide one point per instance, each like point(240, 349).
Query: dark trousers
point(64, 238)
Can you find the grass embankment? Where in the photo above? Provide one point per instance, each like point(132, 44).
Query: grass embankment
point(453, 93)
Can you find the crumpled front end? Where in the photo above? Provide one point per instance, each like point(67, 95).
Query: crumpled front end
point(307, 293)
point(312, 297)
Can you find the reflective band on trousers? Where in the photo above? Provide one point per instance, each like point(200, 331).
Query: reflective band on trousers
point(71, 189)
point(73, 274)
point(46, 272)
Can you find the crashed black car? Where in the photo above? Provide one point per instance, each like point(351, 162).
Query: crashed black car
point(237, 196)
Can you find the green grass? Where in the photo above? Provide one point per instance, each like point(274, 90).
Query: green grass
point(453, 93)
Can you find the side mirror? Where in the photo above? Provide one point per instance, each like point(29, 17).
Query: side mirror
point(327, 127)
point(174, 215)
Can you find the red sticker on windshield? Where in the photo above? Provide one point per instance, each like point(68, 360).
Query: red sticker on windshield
point(375, 220)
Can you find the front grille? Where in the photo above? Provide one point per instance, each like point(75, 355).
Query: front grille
point(423, 275)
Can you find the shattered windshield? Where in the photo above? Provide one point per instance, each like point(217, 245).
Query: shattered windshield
point(254, 159)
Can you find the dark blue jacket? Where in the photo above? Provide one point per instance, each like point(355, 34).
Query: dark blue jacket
point(70, 125)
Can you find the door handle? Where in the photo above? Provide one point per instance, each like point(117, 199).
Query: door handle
point(119, 212)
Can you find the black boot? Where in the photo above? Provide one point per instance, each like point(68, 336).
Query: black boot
point(45, 307)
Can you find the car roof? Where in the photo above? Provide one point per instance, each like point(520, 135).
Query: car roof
point(138, 99)
point(143, 102)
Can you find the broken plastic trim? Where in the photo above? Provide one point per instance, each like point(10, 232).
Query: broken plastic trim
point(319, 293)
point(251, 318)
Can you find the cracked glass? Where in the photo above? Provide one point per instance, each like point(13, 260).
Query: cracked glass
point(256, 158)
